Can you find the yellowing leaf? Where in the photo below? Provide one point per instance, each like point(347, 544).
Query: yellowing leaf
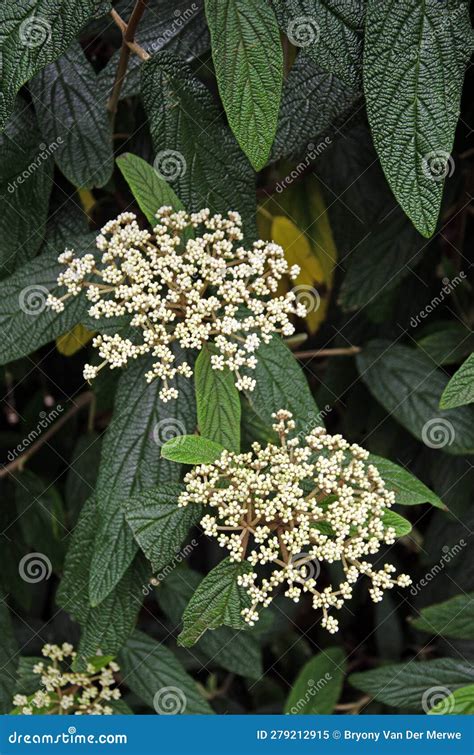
point(71, 342)
point(87, 200)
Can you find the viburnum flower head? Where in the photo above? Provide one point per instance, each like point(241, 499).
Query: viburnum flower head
point(296, 507)
point(188, 281)
point(70, 692)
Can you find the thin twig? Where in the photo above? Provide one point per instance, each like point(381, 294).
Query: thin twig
point(128, 44)
point(349, 351)
point(80, 402)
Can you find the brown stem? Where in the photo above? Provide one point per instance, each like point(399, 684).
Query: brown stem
point(128, 44)
point(349, 351)
point(83, 400)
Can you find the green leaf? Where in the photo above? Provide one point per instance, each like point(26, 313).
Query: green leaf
point(33, 33)
point(25, 187)
point(453, 618)
point(409, 491)
point(73, 119)
point(24, 318)
point(403, 685)
point(318, 685)
point(218, 600)
point(405, 382)
point(281, 384)
point(248, 60)
point(160, 526)
point(206, 166)
point(218, 403)
point(448, 344)
point(311, 102)
point(41, 515)
point(329, 31)
point(8, 659)
point(238, 652)
point(415, 55)
point(149, 189)
point(460, 389)
point(401, 525)
point(191, 449)
point(460, 702)
point(130, 463)
point(154, 674)
point(82, 474)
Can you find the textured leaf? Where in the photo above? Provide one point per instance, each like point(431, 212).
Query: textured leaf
point(159, 525)
point(218, 403)
point(191, 449)
point(409, 387)
point(218, 600)
point(69, 343)
point(238, 651)
point(450, 343)
point(24, 319)
point(154, 674)
point(149, 189)
point(195, 151)
point(453, 618)
point(329, 31)
point(248, 60)
point(82, 474)
point(281, 384)
point(318, 685)
point(72, 116)
point(8, 659)
point(403, 685)
point(460, 389)
point(130, 463)
point(312, 101)
point(461, 702)
point(25, 187)
point(414, 60)
point(33, 33)
point(409, 491)
point(401, 525)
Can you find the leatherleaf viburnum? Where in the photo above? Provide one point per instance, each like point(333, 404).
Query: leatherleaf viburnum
point(189, 281)
point(295, 506)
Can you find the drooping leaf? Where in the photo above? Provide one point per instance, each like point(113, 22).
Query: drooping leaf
point(460, 389)
point(453, 618)
point(8, 659)
point(460, 702)
point(318, 685)
point(205, 167)
point(130, 463)
point(72, 116)
point(69, 343)
point(218, 600)
point(414, 60)
point(407, 384)
point(403, 685)
point(248, 60)
point(154, 674)
point(149, 189)
point(409, 491)
point(191, 449)
point(159, 525)
point(218, 402)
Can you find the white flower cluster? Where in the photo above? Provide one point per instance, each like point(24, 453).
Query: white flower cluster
point(296, 507)
point(189, 281)
point(68, 692)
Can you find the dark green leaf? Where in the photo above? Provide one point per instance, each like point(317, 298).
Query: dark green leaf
point(218, 403)
point(318, 685)
point(460, 389)
point(191, 449)
point(149, 189)
point(415, 55)
point(448, 344)
point(82, 474)
point(41, 515)
point(8, 659)
point(408, 490)
point(453, 618)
